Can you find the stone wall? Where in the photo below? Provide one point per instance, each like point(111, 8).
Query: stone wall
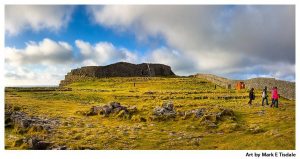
point(285, 89)
point(121, 69)
point(220, 81)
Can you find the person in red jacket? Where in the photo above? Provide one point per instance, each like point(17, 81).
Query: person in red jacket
point(275, 97)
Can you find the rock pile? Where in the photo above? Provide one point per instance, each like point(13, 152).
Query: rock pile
point(167, 111)
point(113, 108)
point(37, 144)
point(197, 113)
point(211, 119)
point(24, 122)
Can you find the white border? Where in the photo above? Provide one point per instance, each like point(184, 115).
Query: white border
point(115, 154)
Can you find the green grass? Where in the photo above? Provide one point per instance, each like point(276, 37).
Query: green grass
point(276, 128)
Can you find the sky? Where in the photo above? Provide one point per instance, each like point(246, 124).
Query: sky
point(44, 42)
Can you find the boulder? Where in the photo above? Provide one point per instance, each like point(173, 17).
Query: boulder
point(211, 119)
point(37, 144)
point(113, 108)
point(167, 111)
point(115, 105)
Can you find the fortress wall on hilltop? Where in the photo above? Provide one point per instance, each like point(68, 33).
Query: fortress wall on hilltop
point(121, 69)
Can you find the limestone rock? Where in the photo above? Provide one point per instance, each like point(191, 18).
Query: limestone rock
point(24, 122)
point(37, 144)
point(114, 108)
point(167, 111)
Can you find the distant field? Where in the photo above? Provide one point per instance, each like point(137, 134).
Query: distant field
point(253, 128)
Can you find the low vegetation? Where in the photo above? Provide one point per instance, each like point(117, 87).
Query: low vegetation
point(152, 113)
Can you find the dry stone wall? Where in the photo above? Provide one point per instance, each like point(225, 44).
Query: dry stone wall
point(286, 89)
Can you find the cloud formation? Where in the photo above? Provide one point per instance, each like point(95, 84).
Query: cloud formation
point(103, 53)
point(220, 39)
point(232, 41)
point(50, 60)
point(36, 17)
point(45, 52)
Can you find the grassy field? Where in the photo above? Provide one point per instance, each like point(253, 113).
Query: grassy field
point(255, 127)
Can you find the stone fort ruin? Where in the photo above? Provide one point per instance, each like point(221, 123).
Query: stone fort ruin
point(120, 69)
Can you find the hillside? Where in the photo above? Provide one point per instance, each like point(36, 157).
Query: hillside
point(145, 113)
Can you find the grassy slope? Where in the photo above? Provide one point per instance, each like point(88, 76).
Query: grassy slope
point(275, 129)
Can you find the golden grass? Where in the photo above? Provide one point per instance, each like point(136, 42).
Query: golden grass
point(273, 130)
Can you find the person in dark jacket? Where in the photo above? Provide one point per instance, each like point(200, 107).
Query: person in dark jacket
point(265, 96)
point(251, 96)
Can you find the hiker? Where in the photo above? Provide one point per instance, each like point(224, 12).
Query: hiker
point(275, 97)
point(251, 96)
point(265, 96)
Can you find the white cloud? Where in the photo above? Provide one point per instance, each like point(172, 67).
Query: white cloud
point(103, 53)
point(224, 39)
point(29, 76)
point(45, 52)
point(39, 63)
point(36, 17)
point(180, 64)
point(46, 62)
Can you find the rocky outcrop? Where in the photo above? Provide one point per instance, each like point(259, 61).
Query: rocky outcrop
point(120, 69)
point(24, 122)
point(286, 89)
point(113, 108)
point(167, 111)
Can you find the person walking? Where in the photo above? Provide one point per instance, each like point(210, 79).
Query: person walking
point(275, 97)
point(265, 96)
point(251, 96)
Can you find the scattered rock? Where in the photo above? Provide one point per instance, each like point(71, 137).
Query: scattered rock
point(114, 108)
point(24, 122)
point(37, 144)
point(167, 111)
point(200, 112)
point(209, 117)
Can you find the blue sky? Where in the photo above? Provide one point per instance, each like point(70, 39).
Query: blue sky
point(82, 27)
point(233, 41)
